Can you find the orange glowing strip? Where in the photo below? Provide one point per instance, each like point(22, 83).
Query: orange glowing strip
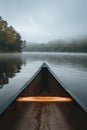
point(44, 99)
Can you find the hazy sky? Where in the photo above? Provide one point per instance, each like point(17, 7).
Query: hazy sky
point(44, 20)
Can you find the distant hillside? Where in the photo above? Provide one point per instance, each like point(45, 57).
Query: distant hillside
point(58, 46)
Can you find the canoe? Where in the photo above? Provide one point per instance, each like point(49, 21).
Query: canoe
point(43, 103)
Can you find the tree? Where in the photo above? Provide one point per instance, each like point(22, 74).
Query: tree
point(9, 36)
point(3, 24)
point(10, 39)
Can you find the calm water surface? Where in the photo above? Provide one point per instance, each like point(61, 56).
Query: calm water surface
point(70, 68)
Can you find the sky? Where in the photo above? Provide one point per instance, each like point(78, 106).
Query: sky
point(45, 20)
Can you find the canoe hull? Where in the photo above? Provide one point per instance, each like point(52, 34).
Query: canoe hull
point(44, 115)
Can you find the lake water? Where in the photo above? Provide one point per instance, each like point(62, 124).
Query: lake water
point(16, 69)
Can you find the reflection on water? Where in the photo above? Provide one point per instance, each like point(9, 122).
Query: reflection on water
point(75, 60)
point(10, 64)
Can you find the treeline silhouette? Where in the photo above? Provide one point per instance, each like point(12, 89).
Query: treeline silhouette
point(10, 39)
point(79, 45)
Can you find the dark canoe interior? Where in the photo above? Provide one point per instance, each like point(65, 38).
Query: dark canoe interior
point(44, 116)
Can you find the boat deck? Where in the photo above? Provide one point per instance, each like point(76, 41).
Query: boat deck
point(44, 116)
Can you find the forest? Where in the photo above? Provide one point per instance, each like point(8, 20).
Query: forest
point(10, 39)
point(76, 45)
